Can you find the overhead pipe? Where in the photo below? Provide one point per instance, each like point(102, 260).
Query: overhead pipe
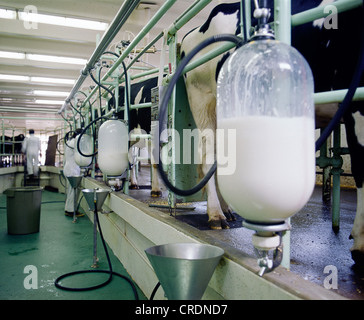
point(337, 96)
point(190, 12)
point(160, 13)
point(123, 14)
point(318, 12)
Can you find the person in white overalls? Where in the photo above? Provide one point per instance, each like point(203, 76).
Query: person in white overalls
point(31, 147)
point(71, 169)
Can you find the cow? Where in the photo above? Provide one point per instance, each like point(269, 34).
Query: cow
point(140, 122)
point(331, 53)
point(9, 142)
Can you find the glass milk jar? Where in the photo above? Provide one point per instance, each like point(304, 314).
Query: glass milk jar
point(113, 148)
point(265, 97)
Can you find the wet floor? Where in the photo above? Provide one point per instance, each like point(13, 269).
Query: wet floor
point(30, 264)
point(318, 254)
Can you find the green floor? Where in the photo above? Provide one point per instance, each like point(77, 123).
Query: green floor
point(36, 260)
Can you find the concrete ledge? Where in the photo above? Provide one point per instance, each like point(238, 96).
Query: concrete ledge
point(131, 227)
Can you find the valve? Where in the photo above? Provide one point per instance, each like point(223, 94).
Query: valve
point(267, 242)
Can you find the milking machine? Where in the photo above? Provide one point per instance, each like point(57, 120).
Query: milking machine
point(113, 162)
point(264, 103)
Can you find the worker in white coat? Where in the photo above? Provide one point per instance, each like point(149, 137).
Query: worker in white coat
point(71, 169)
point(31, 147)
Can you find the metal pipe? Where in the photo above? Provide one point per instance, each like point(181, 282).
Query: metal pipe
point(283, 33)
point(337, 96)
point(123, 14)
point(135, 136)
point(208, 56)
point(318, 12)
point(195, 8)
point(145, 49)
point(161, 12)
point(282, 23)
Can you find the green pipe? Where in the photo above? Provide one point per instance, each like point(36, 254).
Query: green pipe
point(141, 105)
point(282, 23)
point(207, 57)
point(336, 171)
point(196, 7)
point(318, 13)
point(192, 11)
point(337, 96)
point(160, 13)
point(248, 20)
point(147, 73)
point(122, 15)
point(283, 33)
point(167, 5)
point(146, 48)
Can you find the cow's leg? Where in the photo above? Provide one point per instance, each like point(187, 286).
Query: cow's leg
point(205, 119)
point(354, 123)
point(357, 233)
point(133, 179)
point(357, 251)
point(228, 212)
point(156, 190)
point(217, 219)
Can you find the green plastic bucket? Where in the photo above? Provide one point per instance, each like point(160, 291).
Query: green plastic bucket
point(23, 209)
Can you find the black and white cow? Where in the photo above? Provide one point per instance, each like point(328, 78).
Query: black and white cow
point(332, 55)
point(9, 142)
point(140, 122)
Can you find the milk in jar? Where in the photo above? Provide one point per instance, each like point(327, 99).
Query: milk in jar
point(113, 148)
point(275, 166)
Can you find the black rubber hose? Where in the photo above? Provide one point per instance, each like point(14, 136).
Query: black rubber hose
point(164, 104)
point(110, 271)
point(349, 95)
point(66, 138)
point(127, 101)
point(83, 132)
point(127, 104)
point(102, 86)
point(155, 291)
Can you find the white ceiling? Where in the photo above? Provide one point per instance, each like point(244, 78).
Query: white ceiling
point(18, 97)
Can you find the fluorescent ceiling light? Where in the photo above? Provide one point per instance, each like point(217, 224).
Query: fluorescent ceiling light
point(49, 102)
point(7, 14)
point(50, 93)
point(12, 55)
point(63, 21)
point(52, 80)
point(42, 57)
point(11, 77)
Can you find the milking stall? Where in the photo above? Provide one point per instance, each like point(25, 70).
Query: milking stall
point(181, 150)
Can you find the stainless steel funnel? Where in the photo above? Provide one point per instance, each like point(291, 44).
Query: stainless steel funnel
point(74, 181)
point(184, 269)
point(100, 195)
